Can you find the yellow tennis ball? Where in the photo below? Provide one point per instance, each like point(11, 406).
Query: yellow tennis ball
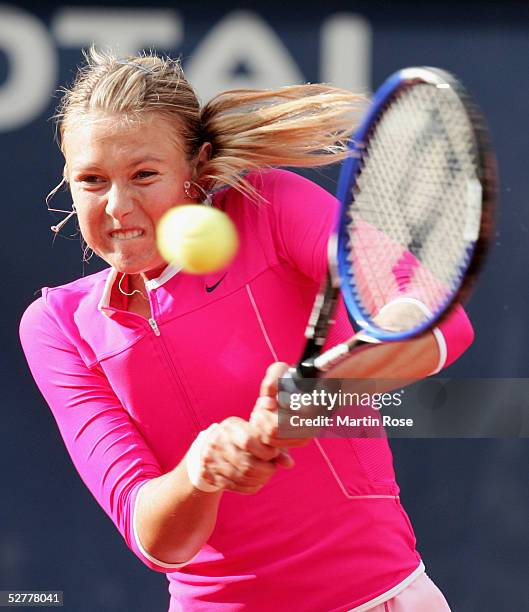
point(197, 237)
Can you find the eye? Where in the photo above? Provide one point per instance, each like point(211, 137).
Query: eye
point(144, 174)
point(91, 179)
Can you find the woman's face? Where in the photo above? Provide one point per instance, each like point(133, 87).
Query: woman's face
point(123, 177)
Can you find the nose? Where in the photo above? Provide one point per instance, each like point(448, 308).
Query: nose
point(119, 202)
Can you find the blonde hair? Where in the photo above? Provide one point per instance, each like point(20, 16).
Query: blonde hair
point(298, 126)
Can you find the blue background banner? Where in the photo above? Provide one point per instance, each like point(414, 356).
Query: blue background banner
point(468, 499)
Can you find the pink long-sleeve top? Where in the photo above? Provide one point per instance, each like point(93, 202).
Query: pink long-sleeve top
point(130, 395)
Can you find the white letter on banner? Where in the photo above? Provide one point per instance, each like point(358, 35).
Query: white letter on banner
point(241, 38)
point(126, 31)
point(346, 52)
point(32, 68)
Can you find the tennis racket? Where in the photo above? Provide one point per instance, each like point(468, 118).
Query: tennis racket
point(416, 199)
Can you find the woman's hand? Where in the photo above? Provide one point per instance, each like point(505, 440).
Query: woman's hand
point(234, 457)
point(265, 415)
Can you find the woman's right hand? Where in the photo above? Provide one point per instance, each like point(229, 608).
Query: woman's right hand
point(233, 458)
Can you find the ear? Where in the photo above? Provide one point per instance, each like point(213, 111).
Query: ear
point(203, 156)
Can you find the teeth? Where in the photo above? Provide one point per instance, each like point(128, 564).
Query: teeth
point(127, 235)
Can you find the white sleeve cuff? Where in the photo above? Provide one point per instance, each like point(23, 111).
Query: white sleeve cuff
point(143, 551)
point(443, 351)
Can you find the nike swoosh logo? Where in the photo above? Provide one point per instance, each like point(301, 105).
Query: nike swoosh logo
point(213, 287)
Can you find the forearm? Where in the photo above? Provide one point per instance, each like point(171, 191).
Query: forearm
point(411, 359)
point(173, 518)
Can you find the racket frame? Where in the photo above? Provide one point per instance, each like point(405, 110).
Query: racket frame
point(325, 304)
point(351, 169)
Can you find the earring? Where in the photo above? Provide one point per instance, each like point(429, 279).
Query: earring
point(200, 192)
point(87, 254)
point(69, 214)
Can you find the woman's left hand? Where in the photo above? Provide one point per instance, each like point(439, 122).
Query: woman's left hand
point(265, 415)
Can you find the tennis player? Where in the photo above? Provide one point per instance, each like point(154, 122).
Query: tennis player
point(152, 374)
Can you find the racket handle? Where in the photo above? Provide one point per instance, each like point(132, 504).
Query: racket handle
point(314, 367)
point(290, 382)
point(332, 357)
point(340, 352)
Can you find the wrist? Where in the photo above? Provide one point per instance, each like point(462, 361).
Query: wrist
point(195, 463)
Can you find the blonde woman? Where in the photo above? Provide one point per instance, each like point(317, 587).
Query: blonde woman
point(152, 374)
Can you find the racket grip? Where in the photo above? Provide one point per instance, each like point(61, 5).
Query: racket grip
point(332, 357)
point(340, 352)
point(289, 384)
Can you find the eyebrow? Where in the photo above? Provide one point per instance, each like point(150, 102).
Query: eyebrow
point(137, 162)
point(142, 160)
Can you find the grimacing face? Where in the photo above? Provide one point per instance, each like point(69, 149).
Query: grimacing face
point(123, 177)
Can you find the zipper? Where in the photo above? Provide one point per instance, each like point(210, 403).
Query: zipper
point(153, 303)
point(170, 362)
point(154, 326)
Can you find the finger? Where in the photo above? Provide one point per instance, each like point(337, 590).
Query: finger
point(230, 485)
point(222, 472)
point(266, 423)
point(286, 442)
point(285, 460)
point(242, 489)
point(247, 470)
point(248, 439)
point(266, 427)
point(268, 403)
point(259, 449)
point(250, 476)
point(269, 384)
point(264, 417)
point(239, 466)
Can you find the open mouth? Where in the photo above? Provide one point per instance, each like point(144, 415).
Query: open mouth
point(126, 234)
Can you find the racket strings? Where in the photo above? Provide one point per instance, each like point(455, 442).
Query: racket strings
point(417, 203)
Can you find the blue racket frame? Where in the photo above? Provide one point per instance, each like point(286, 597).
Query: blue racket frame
point(348, 174)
